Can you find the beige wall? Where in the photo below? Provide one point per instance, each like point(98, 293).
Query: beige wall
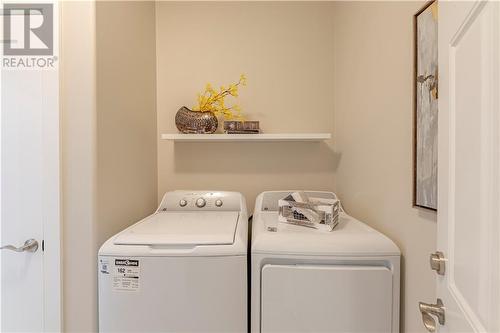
point(78, 135)
point(126, 115)
point(373, 137)
point(108, 138)
point(285, 50)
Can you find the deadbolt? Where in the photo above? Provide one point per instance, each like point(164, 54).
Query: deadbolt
point(438, 262)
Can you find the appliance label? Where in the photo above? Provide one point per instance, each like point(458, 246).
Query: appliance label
point(126, 275)
point(104, 266)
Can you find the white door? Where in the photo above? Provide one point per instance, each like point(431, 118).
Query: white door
point(469, 166)
point(29, 198)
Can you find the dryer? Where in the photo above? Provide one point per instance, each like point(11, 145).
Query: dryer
point(307, 280)
point(182, 269)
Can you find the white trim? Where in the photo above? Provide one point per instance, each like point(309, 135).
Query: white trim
point(1, 50)
point(52, 195)
point(52, 261)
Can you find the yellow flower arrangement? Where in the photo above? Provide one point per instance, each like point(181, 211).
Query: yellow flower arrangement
point(212, 100)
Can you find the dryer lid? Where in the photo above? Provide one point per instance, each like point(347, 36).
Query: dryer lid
point(350, 238)
point(182, 228)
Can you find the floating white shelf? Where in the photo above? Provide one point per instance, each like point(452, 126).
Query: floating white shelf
point(179, 137)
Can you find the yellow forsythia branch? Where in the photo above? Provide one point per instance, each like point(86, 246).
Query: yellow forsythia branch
point(212, 100)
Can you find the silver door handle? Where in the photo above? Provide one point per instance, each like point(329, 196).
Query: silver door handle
point(429, 310)
point(31, 245)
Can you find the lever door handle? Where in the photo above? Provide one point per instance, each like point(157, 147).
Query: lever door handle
point(31, 245)
point(429, 310)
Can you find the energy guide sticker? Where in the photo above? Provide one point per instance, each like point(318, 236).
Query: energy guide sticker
point(126, 275)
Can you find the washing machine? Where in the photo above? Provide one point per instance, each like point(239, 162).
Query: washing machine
point(307, 280)
point(182, 269)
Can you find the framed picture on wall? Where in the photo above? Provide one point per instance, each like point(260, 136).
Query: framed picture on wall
point(426, 106)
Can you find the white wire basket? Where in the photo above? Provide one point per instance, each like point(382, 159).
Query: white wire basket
point(318, 213)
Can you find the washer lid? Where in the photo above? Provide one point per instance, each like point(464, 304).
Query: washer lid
point(182, 228)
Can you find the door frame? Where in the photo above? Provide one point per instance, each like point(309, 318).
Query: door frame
point(52, 236)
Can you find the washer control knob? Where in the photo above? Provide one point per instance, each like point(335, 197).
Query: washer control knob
point(200, 202)
point(183, 202)
point(218, 202)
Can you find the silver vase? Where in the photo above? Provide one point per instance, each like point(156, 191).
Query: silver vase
point(195, 122)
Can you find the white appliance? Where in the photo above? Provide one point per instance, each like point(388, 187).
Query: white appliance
point(182, 269)
point(307, 280)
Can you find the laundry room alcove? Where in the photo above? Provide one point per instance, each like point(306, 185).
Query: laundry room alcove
point(329, 82)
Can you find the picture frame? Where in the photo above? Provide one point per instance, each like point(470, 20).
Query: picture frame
point(425, 107)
